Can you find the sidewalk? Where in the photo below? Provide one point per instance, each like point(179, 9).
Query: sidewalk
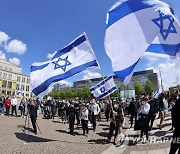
point(159, 141)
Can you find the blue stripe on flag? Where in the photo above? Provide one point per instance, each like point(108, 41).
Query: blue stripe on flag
point(42, 87)
point(35, 68)
point(70, 47)
point(124, 73)
point(125, 9)
point(168, 49)
point(100, 84)
point(108, 92)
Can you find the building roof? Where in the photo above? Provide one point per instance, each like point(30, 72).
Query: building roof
point(9, 63)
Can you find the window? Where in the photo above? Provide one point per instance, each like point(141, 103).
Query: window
point(27, 80)
point(5, 68)
point(5, 75)
point(27, 88)
point(10, 69)
point(10, 76)
point(27, 95)
point(22, 87)
point(18, 78)
point(4, 84)
point(9, 85)
point(0, 74)
point(17, 86)
point(23, 79)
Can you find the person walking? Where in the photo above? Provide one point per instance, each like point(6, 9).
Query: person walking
point(84, 119)
point(117, 117)
point(133, 109)
point(153, 111)
point(22, 107)
point(71, 118)
point(2, 102)
point(7, 105)
point(14, 104)
point(144, 113)
point(95, 109)
point(163, 105)
point(32, 107)
point(175, 145)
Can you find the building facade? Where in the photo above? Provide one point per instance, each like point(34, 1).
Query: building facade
point(12, 79)
point(141, 77)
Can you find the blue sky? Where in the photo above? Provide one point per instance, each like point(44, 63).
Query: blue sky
point(44, 26)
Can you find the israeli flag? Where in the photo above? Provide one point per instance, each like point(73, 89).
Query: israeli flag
point(166, 45)
point(104, 88)
point(138, 26)
point(156, 94)
point(19, 92)
point(74, 58)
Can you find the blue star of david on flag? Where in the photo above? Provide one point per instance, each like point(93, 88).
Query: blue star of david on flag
point(160, 23)
point(103, 89)
point(62, 66)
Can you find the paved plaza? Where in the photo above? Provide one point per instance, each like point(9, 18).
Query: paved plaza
point(55, 139)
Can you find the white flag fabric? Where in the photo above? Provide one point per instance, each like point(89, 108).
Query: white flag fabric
point(19, 92)
point(74, 58)
point(157, 93)
point(104, 88)
point(138, 26)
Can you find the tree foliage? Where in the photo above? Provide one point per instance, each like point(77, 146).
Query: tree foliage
point(83, 93)
point(138, 88)
point(148, 87)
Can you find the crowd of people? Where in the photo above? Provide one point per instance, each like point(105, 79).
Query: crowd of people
point(141, 112)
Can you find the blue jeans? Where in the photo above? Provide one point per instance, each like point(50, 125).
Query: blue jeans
point(1, 108)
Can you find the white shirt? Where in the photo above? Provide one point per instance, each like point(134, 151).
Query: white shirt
point(14, 101)
point(145, 109)
point(84, 114)
point(95, 108)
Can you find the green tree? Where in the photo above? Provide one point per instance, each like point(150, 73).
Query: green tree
point(115, 94)
point(148, 87)
point(122, 87)
point(138, 88)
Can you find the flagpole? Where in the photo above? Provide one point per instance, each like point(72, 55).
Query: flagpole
point(161, 80)
point(97, 63)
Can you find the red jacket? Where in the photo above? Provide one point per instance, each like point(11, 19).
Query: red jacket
point(7, 103)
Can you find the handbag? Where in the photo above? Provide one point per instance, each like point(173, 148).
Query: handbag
point(139, 124)
point(20, 107)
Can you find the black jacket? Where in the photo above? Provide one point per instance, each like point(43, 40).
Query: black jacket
point(154, 107)
point(33, 110)
point(176, 115)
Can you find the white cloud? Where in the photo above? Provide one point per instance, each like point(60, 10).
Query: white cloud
point(170, 71)
point(2, 55)
point(65, 83)
point(3, 38)
point(50, 55)
point(16, 46)
point(15, 61)
point(91, 75)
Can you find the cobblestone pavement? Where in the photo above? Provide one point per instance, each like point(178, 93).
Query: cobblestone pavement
point(159, 141)
point(54, 138)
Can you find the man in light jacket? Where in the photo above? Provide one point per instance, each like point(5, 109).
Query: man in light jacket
point(14, 104)
point(95, 109)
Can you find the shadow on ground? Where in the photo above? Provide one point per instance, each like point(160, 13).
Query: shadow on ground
point(160, 133)
point(103, 134)
point(98, 141)
point(104, 125)
point(31, 138)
